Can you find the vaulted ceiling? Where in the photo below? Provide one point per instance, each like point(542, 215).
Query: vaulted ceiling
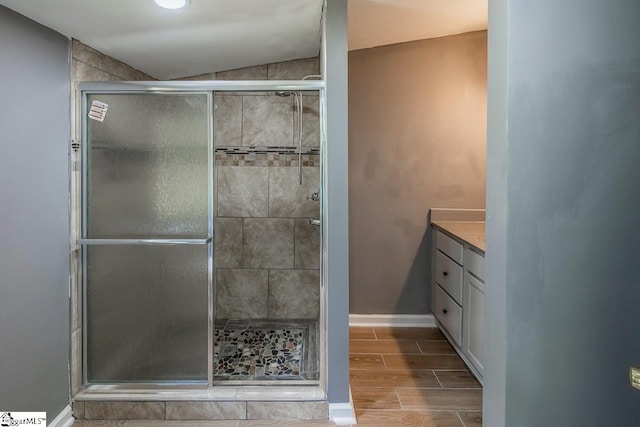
point(382, 22)
point(215, 35)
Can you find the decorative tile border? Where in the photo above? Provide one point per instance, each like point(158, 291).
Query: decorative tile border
point(266, 156)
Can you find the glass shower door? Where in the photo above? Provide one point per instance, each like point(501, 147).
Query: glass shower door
point(147, 231)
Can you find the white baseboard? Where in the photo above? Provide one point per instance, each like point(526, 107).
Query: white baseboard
point(64, 418)
point(343, 414)
point(393, 320)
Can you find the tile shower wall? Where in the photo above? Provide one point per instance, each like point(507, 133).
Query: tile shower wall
point(267, 256)
point(87, 65)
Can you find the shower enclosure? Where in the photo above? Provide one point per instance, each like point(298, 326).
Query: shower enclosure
point(201, 234)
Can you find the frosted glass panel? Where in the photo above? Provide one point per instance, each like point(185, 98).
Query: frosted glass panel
point(147, 167)
point(147, 313)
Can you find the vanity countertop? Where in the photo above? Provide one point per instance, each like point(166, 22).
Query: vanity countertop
point(472, 232)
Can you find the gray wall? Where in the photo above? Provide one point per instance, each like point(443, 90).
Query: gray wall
point(335, 204)
point(563, 151)
point(34, 247)
point(417, 140)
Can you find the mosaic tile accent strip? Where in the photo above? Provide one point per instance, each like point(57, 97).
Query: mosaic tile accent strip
point(258, 354)
point(265, 156)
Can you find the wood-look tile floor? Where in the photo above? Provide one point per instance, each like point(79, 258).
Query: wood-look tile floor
point(411, 377)
point(399, 377)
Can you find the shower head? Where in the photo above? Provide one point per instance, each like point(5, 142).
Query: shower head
point(283, 94)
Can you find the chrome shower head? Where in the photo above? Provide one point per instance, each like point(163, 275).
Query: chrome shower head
point(283, 94)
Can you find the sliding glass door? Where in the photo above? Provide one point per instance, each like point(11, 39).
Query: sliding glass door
point(147, 237)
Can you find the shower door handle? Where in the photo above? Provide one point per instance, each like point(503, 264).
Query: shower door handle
point(107, 242)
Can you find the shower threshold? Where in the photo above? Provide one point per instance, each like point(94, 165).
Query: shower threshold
point(182, 392)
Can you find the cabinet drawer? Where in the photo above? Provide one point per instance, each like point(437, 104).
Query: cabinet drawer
point(449, 314)
point(474, 263)
point(449, 246)
point(449, 276)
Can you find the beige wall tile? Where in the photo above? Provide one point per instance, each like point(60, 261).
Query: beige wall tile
point(86, 73)
point(241, 294)
point(75, 131)
point(294, 294)
point(76, 291)
point(294, 70)
point(76, 361)
point(86, 54)
point(206, 410)
point(95, 410)
point(267, 121)
point(77, 408)
point(287, 411)
point(228, 242)
point(310, 121)
point(268, 243)
point(287, 198)
point(206, 76)
point(120, 69)
point(307, 247)
point(227, 120)
point(243, 191)
point(249, 73)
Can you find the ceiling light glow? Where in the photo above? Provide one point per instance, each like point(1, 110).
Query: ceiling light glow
point(172, 4)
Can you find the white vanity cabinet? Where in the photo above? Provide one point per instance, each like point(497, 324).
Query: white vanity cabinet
point(458, 297)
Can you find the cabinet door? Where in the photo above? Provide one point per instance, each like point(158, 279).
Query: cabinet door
point(473, 314)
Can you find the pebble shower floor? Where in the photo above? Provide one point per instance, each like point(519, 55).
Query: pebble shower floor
point(258, 354)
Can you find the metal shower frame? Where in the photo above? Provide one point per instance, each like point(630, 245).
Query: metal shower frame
point(208, 87)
